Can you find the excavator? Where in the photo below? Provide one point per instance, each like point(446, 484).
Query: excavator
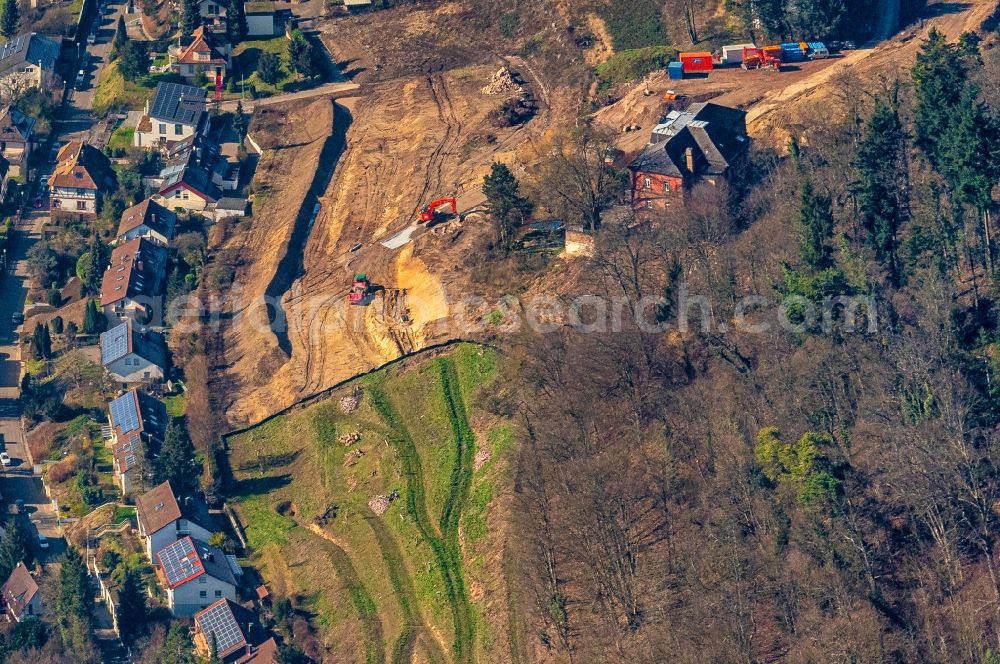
point(429, 211)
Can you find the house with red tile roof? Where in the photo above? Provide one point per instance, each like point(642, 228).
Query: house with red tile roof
point(163, 518)
point(205, 53)
point(195, 575)
point(148, 220)
point(132, 286)
point(138, 425)
point(19, 595)
point(81, 172)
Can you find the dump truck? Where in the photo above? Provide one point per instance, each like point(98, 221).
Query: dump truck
point(757, 58)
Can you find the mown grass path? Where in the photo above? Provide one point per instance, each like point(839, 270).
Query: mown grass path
point(446, 554)
point(362, 600)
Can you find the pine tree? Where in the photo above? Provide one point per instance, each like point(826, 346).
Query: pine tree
point(302, 57)
point(93, 320)
point(41, 342)
point(15, 547)
point(133, 60)
point(507, 207)
point(240, 122)
point(816, 222)
point(176, 462)
point(75, 590)
point(177, 647)
point(120, 38)
point(131, 605)
point(190, 16)
point(880, 167)
point(269, 68)
point(9, 19)
point(939, 78)
point(236, 22)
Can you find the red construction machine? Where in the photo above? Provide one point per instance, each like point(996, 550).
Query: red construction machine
point(757, 58)
point(360, 289)
point(429, 211)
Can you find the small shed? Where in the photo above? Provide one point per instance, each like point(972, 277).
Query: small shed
point(675, 71)
point(733, 53)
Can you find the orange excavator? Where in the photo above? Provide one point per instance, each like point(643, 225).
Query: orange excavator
point(429, 211)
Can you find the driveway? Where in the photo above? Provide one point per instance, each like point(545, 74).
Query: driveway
point(77, 121)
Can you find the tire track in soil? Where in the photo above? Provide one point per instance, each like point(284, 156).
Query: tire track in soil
point(360, 597)
point(416, 501)
point(414, 626)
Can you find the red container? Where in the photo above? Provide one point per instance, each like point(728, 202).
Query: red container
point(696, 62)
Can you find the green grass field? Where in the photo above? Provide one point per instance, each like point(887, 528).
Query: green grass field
point(395, 586)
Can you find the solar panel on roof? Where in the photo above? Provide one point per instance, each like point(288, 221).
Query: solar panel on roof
point(124, 413)
point(114, 343)
point(219, 622)
point(180, 562)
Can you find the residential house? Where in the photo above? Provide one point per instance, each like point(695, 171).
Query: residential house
point(80, 173)
point(204, 54)
point(222, 629)
point(28, 61)
point(197, 179)
point(176, 112)
point(132, 286)
point(163, 519)
point(265, 653)
point(148, 220)
point(132, 354)
point(20, 596)
point(266, 19)
point(213, 13)
point(196, 575)
point(17, 139)
point(700, 144)
point(138, 425)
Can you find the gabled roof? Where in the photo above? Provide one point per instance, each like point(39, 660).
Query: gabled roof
point(151, 214)
point(203, 49)
point(178, 103)
point(187, 559)
point(194, 178)
point(136, 269)
point(15, 125)
point(218, 624)
point(135, 418)
point(81, 166)
point(157, 508)
point(265, 653)
point(29, 47)
point(19, 589)
point(125, 338)
point(715, 135)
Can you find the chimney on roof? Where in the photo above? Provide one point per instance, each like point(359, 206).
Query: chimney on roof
point(689, 159)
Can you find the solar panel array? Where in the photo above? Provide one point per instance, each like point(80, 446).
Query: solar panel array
point(177, 102)
point(180, 562)
point(124, 414)
point(114, 343)
point(219, 622)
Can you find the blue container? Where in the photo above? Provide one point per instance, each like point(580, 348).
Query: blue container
point(675, 71)
point(788, 45)
point(793, 54)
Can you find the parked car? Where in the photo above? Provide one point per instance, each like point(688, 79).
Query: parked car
point(38, 202)
point(92, 38)
point(4, 459)
point(17, 318)
point(43, 541)
point(80, 75)
point(19, 506)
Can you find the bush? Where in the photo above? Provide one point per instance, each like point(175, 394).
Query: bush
point(62, 471)
point(54, 297)
point(57, 325)
point(509, 23)
point(630, 65)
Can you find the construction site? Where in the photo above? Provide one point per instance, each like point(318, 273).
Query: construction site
point(343, 186)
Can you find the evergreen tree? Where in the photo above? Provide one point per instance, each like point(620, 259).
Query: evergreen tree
point(302, 57)
point(236, 22)
point(131, 605)
point(269, 68)
point(15, 547)
point(41, 342)
point(133, 61)
point(72, 329)
point(177, 647)
point(9, 18)
point(507, 207)
point(176, 462)
point(26, 386)
point(240, 122)
point(882, 182)
point(121, 36)
point(939, 78)
point(93, 320)
point(816, 222)
point(291, 654)
point(57, 325)
point(74, 598)
point(190, 16)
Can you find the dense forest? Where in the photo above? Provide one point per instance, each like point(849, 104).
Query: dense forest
point(813, 478)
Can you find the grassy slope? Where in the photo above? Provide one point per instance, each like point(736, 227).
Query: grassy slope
point(403, 574)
